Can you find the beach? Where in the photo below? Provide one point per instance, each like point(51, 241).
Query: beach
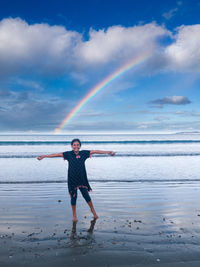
point(146, 196)
point(159, 226)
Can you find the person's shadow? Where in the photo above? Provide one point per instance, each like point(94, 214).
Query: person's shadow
point(82, 240)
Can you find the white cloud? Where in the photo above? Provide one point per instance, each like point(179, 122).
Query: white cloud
point(51, 50)
point(184, 53)
point(54, 50)
point(142, 127)
point(161, 118)
point(30, 84)
point(187, 113)
point(168, 15)
point(120, 43)
point(40, 47)
point(171, 100)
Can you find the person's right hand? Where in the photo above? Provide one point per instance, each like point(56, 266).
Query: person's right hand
point(40, 157)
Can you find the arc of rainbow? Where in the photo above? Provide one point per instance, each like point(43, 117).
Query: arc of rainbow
point(100, 86)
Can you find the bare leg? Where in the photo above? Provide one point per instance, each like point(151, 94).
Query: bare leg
point(93, 210)
point(74, 213)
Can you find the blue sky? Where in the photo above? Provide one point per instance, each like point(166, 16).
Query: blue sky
point(53, 52)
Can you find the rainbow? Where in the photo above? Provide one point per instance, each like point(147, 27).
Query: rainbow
point(100, 86)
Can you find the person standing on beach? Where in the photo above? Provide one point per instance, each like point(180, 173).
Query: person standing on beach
point(77, 176)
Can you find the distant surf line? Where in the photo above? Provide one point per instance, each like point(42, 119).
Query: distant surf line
point(105, 181)
point(122, 142)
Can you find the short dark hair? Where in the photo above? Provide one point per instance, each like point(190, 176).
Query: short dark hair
point(75, 140)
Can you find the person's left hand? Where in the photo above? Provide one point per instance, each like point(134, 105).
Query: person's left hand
point(40, 157)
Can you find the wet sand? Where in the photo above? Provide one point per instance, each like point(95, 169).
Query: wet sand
point(140, 224)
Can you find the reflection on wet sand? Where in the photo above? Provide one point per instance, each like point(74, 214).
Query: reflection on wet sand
point(82, 240)
point(160, 222)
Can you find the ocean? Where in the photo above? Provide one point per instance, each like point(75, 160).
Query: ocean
point(139, 158)
point(146, 197)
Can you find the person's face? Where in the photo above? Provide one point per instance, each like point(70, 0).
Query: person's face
point(76, 146)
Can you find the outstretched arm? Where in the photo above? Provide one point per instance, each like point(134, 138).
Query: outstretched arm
point(50, 156)
point(111, 153)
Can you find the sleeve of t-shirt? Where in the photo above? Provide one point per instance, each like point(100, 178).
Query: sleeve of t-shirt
point(66, 155)
point(86, 154)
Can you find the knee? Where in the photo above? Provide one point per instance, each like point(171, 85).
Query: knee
point(73, 198)
point(73, 201)
point(88, 198)
point(85, 195)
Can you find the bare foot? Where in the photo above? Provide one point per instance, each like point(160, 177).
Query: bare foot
point(96, 216)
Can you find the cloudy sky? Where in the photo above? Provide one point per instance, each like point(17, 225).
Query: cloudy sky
point(53, 52)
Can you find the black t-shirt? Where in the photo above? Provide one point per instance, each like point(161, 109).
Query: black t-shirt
point(77, 176)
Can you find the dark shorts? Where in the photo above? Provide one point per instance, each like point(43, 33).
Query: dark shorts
point(84, 193)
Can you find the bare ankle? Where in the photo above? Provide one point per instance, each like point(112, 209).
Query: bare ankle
point(74, 219)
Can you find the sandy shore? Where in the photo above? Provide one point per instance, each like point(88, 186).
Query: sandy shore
point(140, 224)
